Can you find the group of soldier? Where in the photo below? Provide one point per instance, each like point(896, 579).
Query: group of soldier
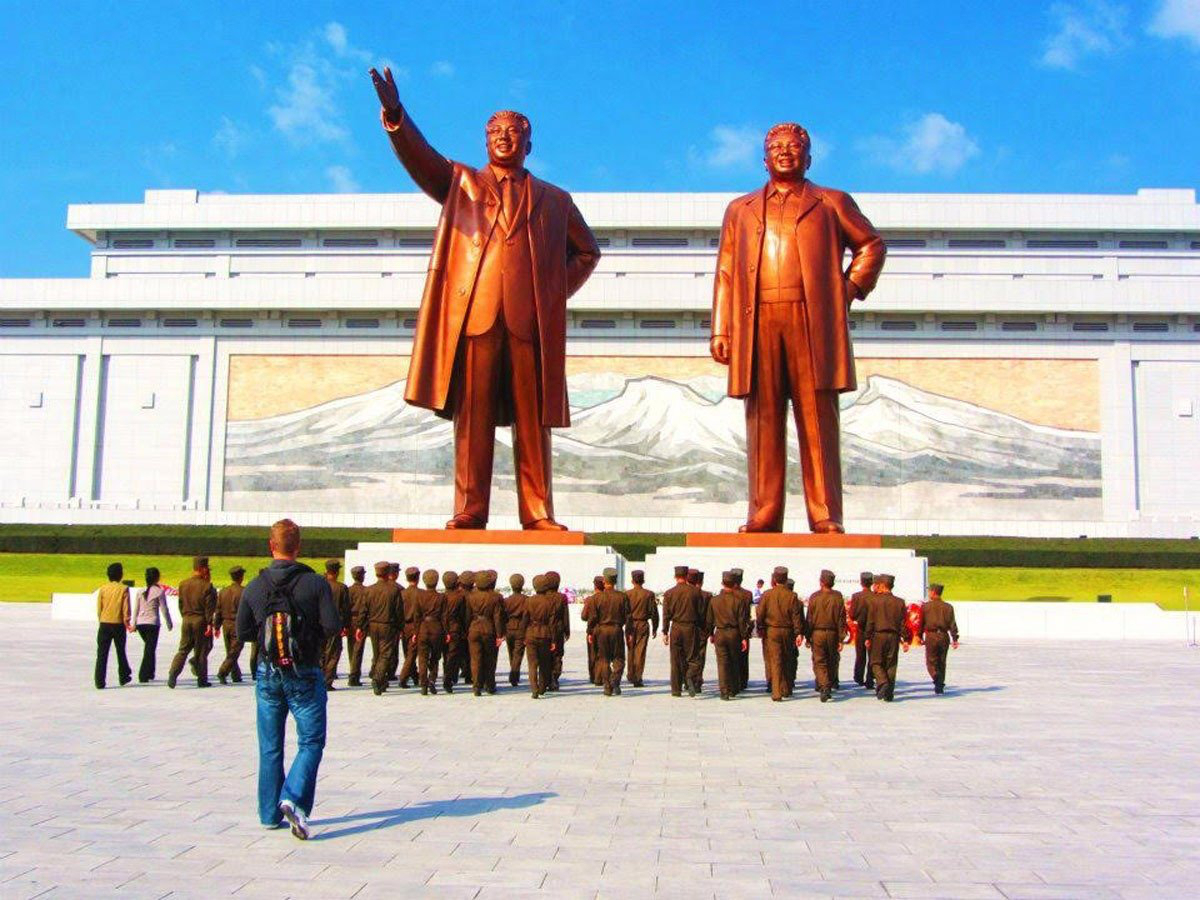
point(453, 626)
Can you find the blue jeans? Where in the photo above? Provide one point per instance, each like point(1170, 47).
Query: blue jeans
point(303, 695)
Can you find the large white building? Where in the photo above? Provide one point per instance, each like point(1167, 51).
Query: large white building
point(1029, 364)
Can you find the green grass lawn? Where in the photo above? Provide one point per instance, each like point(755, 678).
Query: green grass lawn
point(1161, 586)
point(35, 576)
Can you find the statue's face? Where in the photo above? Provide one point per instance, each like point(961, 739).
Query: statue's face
point(786, 156)
point(508, 142)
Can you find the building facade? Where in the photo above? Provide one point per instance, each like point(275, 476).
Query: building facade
point(1029, 364)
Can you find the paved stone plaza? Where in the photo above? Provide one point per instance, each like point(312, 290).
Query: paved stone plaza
point(1048, 770)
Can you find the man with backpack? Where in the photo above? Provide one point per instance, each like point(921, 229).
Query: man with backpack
point(289, 610)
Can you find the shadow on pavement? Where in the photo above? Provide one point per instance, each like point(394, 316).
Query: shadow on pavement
point(460, 806)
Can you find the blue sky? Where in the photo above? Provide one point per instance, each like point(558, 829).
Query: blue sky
point(104, 100)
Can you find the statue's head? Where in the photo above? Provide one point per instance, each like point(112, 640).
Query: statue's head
point(509, 139)
point(787, 151)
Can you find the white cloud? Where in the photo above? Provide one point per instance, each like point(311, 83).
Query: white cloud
point(730, 146)
point(930, 144)
point(337, 38)
point(1092, 28)
point(443, 69)
point(341, 179)
point(1177, 19)
point(229, 138)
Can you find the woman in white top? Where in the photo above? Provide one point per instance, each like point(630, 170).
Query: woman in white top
point(150, 601)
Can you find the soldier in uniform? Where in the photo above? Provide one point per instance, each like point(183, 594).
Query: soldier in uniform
point(682, 622)
point(563, 630)
point(587, 613)
point(197, 607)
point(885, 624)
point(358, 599)
point(514, 637)
point(781, 626)
point(743, 673)
point(611, 616)
point(381, 617)
point(729, 625)
point(793, 657)
point(696, 577)
point(486, 631)
point(643, 626)
point(857, 614)
point(941, 633)
point(455, 599)
point(826, 621)
point(397, 654)
point(432, 626)
point(466, 584)
point(226, 618)
point(539, 624)
point(332, 653)
point(408, 672)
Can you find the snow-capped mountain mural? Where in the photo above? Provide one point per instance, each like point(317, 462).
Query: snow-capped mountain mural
point(671, 448)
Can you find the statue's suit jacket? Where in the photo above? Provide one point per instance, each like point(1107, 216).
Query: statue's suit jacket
point(563, 250)
point(829, 221)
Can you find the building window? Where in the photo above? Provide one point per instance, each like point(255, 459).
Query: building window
point(179, 323)
point(267, 243)
point(1061, 244)
point(415, 242)
point(898, 325)
point(1151, 327)
point(1142, 245)
point(124, 323)
point(976, 243)
point(362, 323)
point(350, 242)
point(657, 323)
point(1018, 326)
point(1089, 326)
point(659, 242)
point(303, 323)
point(410, 323)
point(133, 244)
point(902, 243)
point(195, 243)
point(68, 323)
point(15, 323)
point(598, 323)
point(603, 241)
point(237, 323)
point(960, 326)
point(704, 323)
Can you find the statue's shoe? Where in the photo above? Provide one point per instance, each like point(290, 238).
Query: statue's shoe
point(753, 527)
point(465, 523)
point(828, 526)
point(545, 525)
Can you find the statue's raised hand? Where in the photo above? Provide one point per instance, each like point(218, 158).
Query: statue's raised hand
point(385, 87)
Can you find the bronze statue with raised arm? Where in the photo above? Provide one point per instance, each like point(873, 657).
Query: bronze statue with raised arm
point(781, 323)
point(490, 344)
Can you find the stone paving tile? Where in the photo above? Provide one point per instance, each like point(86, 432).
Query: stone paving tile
point(1040, 774)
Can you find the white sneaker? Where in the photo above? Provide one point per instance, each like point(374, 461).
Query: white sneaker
point(297, 819)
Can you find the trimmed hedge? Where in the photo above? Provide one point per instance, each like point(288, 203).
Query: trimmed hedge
point(175, 540)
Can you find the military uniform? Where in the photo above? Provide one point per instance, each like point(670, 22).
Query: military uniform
point(743, 654)
point(858, 613)
point(380, 619)
point(332, 652)
point(780, 621)
point(430, 615)
point(197, 608)
point(885, 624)
point(611, 615)
point(408, 672)
point(514, 636)
point(729, 625)
point(826, 621)
point(225, 620)
point(563, 627)
point(701, 649)
point(682, 622)
point(358, 599)
point(539, 627)
point(486, 611)
point(587, 613)
point(642, 628)
point(455, 599)
point(940, 630)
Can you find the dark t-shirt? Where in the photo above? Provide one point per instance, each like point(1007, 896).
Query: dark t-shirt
point(310, 595)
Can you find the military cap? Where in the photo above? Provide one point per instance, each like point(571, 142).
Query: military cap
point(694, 576)
point(394, 568)
point(553, 579)
point(516, 581)
point(791, 585)
point(539, 584)
point(598, 582)
point(610, 575)
point(880, 578)
point(430, 578)
point(450, 579)
point(827, 576)
point(866, 577)
point(466, 578)
point(728, 579)
point(239, 571)
point(738, 575)
point(936, 589)
point(483, 580)
point(637, 576)
point(681, 571)
point(412, 573)
point(358, 571)
point(333, 565)
point(382, 568)
point(200, 562)
point(888, 581)
point(780, 574)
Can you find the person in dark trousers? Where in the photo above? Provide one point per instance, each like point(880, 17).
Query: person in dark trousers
point(112, 611)
point(294, 685)
point(150, 603)
point(941, 633)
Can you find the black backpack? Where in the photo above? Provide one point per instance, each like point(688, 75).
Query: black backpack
point(282, 628)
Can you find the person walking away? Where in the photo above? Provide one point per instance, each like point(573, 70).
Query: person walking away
point(681, 627)
point(197, 607)
point(514, 637)
point(454, 650)
point(290, 610)
point(151, 604)
point(643, 627)
point(941, 634)
point(112, 612)
point(729, 627)
point(781, 625)
point(885, 623)
point(562, 632)
point(331, 654)
point(358, 597)
point(228, 601)
point(826, 621)
point(611, 615)
point(539, 622)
